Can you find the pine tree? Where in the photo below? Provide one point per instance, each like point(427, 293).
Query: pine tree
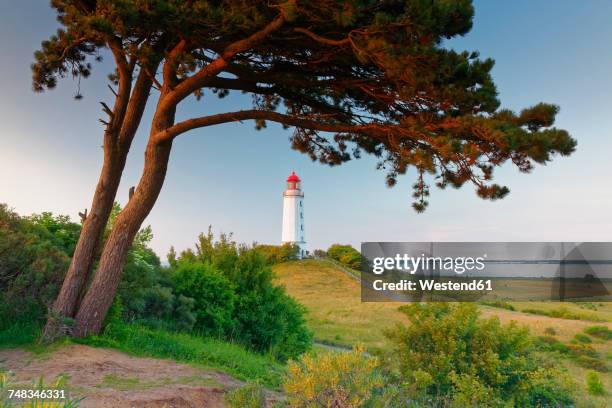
point(350, 77)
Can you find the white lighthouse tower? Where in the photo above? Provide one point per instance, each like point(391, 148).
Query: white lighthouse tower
point(293, 214)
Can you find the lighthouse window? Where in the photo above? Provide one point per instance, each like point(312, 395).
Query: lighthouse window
point(301, 215)
point(300, 203)
point(302, 227)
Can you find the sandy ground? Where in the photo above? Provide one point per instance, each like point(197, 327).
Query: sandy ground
point(111, 379)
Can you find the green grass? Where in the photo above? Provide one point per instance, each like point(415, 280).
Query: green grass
point(565, 313)
point(143, 341)
point(204, 352)
point(19, 333)
point(336, 314)
point(499, 304)
point(122, 383)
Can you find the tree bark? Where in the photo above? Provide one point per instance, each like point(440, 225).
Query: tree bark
point(117, 142)
point(87, 246)
point(101, 293)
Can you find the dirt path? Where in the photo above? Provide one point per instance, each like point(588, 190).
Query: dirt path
point(111, 379)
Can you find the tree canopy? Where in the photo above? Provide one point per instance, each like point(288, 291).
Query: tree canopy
point(351, 76)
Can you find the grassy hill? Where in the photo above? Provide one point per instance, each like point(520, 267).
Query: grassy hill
point(335, 311)
point(337, 316)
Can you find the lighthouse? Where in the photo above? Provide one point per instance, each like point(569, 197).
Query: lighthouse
point(293, 214)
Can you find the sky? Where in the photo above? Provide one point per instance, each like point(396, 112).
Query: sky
point(232, 176)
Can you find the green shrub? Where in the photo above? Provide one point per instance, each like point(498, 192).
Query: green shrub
point(274, 254)
point(449, 353)
point(469, 391)
point(594, 384)
point(213, 296)
point(582, 338)
point(19, 332)
point(550, 331)
point(499, 304)
point(546, 343)
point(345, 254)
point(332, 379)
point(592, 363)
point(250, 395)
point(603, 332)
point(561, 348)
point(547, 340)
point(579, 349)
point(267, 319)
point(34, 255)
point(263, 317)
point(546, 387)
point(319, 253)
point(564, 313)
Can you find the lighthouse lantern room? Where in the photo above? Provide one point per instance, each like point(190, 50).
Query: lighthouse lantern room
point(293, 214)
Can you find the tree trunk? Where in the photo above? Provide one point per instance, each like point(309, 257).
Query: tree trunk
point(101, 293)
point(117, 144)
point(66, 303)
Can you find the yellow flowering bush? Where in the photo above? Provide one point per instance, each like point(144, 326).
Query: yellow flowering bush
point(333, 379)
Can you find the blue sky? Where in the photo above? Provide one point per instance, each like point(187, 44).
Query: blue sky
point(232, 176)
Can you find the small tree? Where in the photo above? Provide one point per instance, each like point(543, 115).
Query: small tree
point(345, 254)
point(351, 77)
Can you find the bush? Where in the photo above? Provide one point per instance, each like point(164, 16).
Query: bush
point(546, 387)
point(594, 384)
point(267, 319)
point(564, 313)
point(319, 253)
point(470, 392)
point(34, 255)
point(560, 348)
point(331, 379)
point(602, 332)
point(582, 350)
point(274, 254)
point(345, 254)
point(592, 363)
point(250, 395)
point(499, 304)
point(550, 331)
point(213, 296)
point(264, 318)
point(546, 343)
point(447, 352)
point(582, 338)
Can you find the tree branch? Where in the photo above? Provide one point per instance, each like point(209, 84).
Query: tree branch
point(251, 86)
point(196, 81)
point(320, 39)
point(137, 102)
point(169, 71)
point(125, 84)
point(237, 116)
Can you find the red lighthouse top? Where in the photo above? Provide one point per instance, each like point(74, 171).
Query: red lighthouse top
point(293, 177)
